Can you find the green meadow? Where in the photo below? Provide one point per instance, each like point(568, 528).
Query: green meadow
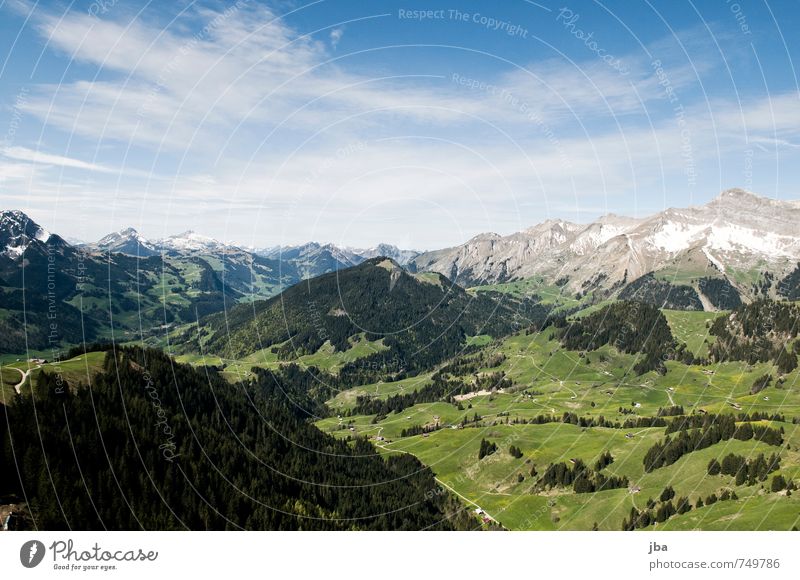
point(77, 371)
point(549, 380)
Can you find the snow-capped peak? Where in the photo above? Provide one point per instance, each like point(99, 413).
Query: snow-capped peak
point(17, 231)
point(122, 235)
point(402, 257)
point(126, 241)
point(191, 241)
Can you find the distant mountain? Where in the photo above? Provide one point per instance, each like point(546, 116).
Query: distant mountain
point(129, 241)
point(126, 241)
point(313, 259)
point(39, 277)
point(18, 232)
point(54, 294)
point(402, 257)
point(240, 271)
point(191, 241)
point(737, 237)
point(296, 262)
point(133, 287)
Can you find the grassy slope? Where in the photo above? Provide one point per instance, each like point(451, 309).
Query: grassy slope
point(548, 293)
point(75, 371)
point(690, 327)
point(8, 378)
point(549, 380)
point(325, 359)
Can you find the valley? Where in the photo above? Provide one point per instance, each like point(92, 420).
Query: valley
point(655, 393)
point(550, 382)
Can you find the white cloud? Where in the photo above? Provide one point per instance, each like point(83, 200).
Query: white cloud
point(336, 36)
point(246, 67)
point(25, 154)
point(16, 172)
point(776, 115)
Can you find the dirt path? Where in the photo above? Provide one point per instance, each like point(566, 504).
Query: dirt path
point(466, 499)
point(25, 375)
point(443, 484)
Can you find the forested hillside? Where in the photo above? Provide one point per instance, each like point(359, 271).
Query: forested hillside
point(420, 319)
point(758, 332)
point(631, 327)
point(662, 294)
point(155, 445)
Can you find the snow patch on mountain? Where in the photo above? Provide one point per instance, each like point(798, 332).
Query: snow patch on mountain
point(191, 241)
point(18, 231)
point(713, 260)
point(731, 238)
point(675, 236)
point(744, 232)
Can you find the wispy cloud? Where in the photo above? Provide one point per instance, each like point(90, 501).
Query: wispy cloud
point(25, 154)
point(246, 67)
point(16, 172)
point(336, 36)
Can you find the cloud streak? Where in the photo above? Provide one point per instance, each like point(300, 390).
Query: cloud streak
point(25, 154)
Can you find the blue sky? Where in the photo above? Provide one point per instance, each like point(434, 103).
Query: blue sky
point(415, 123)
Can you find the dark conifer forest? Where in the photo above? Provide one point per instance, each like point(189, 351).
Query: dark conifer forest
point(157, 445)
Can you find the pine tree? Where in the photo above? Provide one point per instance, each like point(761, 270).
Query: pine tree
point(683, 505)
point(778, 483)
point(744, 432)
point(486, 448)
point(786, 361)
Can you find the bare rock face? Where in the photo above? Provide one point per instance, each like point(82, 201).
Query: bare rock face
point(736, 232)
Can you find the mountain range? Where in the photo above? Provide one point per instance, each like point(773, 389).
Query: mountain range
point(735, 248)
point(737, 236)
point(311, 259)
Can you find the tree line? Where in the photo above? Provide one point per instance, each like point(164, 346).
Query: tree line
point(671, 449)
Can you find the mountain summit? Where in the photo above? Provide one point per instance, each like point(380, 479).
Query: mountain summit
point(126, 241)
point(18, 231)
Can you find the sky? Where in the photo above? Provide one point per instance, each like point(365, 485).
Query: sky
point(419, 124)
